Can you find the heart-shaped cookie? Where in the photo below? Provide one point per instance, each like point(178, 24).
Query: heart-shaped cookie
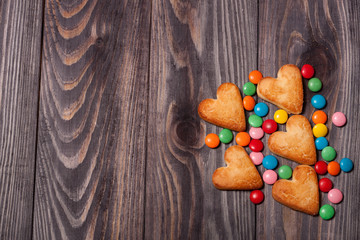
point(301, 193)
point(285, 91)
point(240, 173)
point(227, 110)
point(297, 143)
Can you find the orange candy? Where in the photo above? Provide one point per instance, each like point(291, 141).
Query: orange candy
point(243, 139)
point(333, 168)
point(319, 117)
point(255, 76)
point(249, 103)
point(212, 140)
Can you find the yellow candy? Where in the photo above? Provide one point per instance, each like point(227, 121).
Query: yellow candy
point(281, 116)
point(320, 130)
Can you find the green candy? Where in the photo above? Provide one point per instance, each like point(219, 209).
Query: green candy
point(255, 121)
point(226, 136)
point(328, 153)
point(249, 89)
point(326, 212)
point(315, 84)
point(285, 172)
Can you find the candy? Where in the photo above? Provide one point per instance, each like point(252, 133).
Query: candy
point(333, 168)
point(280, 116)
point(256, 196)
point(255, 76)
point(285, 172)
point(307, 71)
point(328, 153)
point(338, 119)
point(320, 130)
point(212, 140)
point(261, 109)
point(327, 212)
point(226, 136)
point(256, 145)
point(325, 184)
point(269, 177)
point(249, 103)
point(321, 167)
point(314, 84)
point(256, 157)
point(335, 195)
point(256, 133)
point(346, 164)
point(255, 121)
point(249, 89)
point(269, 126)
point(318, 101)
point(242, 138)
point(270, 162)
point(319, 117)
point(321, 142)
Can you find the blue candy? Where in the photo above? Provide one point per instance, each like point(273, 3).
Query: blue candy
point(270, 162)
point(318, 101)
point(346, 165)
point(261, 109)
point(321, 142)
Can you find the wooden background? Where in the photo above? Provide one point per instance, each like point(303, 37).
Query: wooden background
point(99, 132)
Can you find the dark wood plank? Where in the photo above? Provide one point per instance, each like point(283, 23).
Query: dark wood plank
point(326, 35)
point(20, 52)
point(195, 46)
point(93, 119)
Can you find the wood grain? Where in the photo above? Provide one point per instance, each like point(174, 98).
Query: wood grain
point(195, 46)
point(92, 126)
point(20, 51)
point(324, 34)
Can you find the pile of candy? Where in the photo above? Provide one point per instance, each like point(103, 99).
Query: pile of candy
point(252, 139)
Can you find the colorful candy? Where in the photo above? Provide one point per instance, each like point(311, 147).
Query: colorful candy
point(269, 126)
point(256, 145)
point(314, 84)
point(307, 71)
point(226, 136)
point(242, 138)
point(328, 153)
point(269, 177)
point(256, 133)
point(338, 119)
point(256, 196)
point(270, 162)
point(212, 140)
point(285, 172)
point(255, 76)
point(249, 89)
point(255, 121)
point(321, 167)
point(261, 109)
point(319, 117)
point(320, 130)
point(249, 103)
point(325, 185)
point(256, 157)
point(281, 116)
point(335, 196)
point(326, 212)
point(333, 168)
point(321, 143)
point(346, 164)
point(318, 101)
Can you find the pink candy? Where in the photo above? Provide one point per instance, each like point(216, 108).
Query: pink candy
point(270, 177)
point(338, 119)
point(256, 157)
point(256, 133)
point(335, 195)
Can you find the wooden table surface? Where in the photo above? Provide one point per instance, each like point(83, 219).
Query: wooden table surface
point(100, 136)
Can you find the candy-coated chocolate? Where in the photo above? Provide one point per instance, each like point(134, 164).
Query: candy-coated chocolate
point(249, 89)
point(256, 157)
point(326, 212)
point(285, 172)
point(212, 140)
point(256, 196)
point(269, 177)
point(325, 185)
point(255, 121)
point(307, 71)
point(256, 133)
point(269, 126)
point(270, 162)
point(338, 119)
point(328, 153)
point(321, 167)
point(226, 135)
point(256, 145)
point(320, 130)
point(255, 76)
point(333, 168)
point(321, 142)
point(261, 109)
point(346, 164)
point(314, 84)
point(243, 139)
point(249, 103)
point(319, 116)
point(318, 101)
point(281, 116)
point(335, 196)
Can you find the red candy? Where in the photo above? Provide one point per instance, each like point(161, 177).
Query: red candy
point(321, 167)
point(256, 145)
point(257, 196)
point(325, 185)
point(269, 126)
point(307, 71)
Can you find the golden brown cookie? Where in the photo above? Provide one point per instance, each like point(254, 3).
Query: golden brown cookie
point(297, 143)
point(301, 193)
point(285, 91)
point(239, 174)
point(227, 110)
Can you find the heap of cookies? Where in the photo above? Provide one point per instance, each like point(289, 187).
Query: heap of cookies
point(297, 144)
